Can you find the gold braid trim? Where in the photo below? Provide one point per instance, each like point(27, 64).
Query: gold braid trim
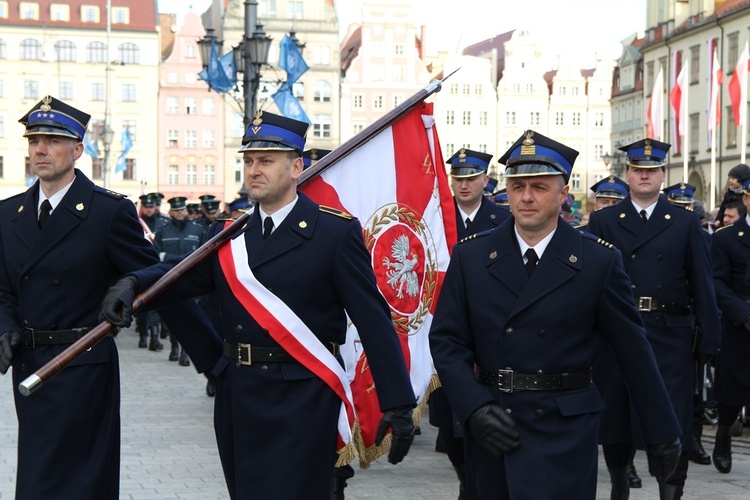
point(349, 452)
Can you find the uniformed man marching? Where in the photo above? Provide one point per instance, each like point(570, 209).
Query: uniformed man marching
point(516, 365)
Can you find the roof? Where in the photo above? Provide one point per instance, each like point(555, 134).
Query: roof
point(497, 42)
point(143, 15)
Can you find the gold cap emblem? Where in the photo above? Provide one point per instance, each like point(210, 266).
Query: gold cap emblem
point(462, 155)
point(647, 148)
point(257, 121)
point(527, 146)
point(46, 103)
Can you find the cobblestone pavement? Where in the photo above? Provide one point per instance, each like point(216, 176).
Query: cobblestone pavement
point(169, 450)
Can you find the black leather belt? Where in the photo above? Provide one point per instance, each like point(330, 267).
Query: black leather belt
point(33, 338)
point(650, 304)
point(246, 354)
point(510, 381)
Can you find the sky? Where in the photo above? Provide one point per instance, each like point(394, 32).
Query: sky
point(581, 29)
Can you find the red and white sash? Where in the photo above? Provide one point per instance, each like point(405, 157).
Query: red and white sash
point(288, 330)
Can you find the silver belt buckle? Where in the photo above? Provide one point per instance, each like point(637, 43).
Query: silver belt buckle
point(644, 304)
point(502, 374)
point(249, 354)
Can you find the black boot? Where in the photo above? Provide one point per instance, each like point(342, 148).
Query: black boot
point(154, 344)
point(210, 385)
point(340, 475)
point(184, 360)
point(142, 333)
point(461, 474)
point(633, 479)
point(698, 454)
point(670, 491)
point(723, 449)
point(174, 353)
point(142, 343)
point(620, 484)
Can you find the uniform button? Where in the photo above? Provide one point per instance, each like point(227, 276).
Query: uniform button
point(55, 283)
point(539, 412)
point(508, 331)
point(659, 287)
point(238, 328)
point(542, 333)
point(508, 411)
point(26, 322)
point(632, 286)
point(632, 257)
point(492, 216)
point(540, 373)
point(264, 368)
point(26, 278)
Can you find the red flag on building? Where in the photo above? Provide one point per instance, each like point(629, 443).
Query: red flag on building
point(678, 98)
point(717, 78)
point(656, 108)
point(396, 184)
point(738, 89)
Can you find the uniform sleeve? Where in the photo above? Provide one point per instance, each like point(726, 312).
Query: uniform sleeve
point(354, 281)
point(734, 309)
point(701, 282)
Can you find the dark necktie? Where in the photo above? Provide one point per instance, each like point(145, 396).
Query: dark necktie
point(44, 212)
point(531, 260)
point(468, 222)
point(267, 227)
point(644, 216)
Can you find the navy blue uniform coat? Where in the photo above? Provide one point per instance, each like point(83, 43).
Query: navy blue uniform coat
point(730, 255)
point(276, 422)
point(489, 216)
point(666, 259)
point(56, 279)
point(491, 314)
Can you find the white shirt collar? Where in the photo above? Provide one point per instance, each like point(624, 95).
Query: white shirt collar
point(649, 209)
point(470, 216)
point(539, 248)
point(279, 215)
point(55, 199)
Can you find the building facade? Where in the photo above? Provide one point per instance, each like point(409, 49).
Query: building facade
point(61, 49)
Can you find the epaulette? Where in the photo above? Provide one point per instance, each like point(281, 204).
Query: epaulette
point(723, 228)
point(597, 239)
point(476, 235)
point(12, 197)
point(336, 212)
point(224, 219)
point(113, 194)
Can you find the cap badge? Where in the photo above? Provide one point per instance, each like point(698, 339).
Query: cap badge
point(303, 224)
point(611, 179)
point(313, 154)
point(527, 147)
point(79, 207)
point(682, 187)
point(493, 255)
point(46, 103)
point(573, 259)
point(462, 155)
point(257, 121)
point(647, 148)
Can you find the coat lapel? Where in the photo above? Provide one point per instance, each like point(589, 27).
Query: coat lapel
point(503, 259)
point(297, 227)
point(743, 231)
point(627, 217)
point(661, 219)
point(24, 223)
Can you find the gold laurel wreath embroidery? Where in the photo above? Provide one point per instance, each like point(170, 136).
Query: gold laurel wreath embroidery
point(406, 325)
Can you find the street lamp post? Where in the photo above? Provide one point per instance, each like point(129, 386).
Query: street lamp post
point(107, 136)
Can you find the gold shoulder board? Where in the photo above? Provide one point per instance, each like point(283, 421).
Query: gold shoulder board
point(336, 212)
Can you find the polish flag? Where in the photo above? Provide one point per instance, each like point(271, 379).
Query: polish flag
point(717, 78)
point(678, 98)
point(738, 89)
point(396, 185)
point(656, 108)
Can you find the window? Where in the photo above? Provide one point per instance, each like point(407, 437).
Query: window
point(295, 10)
point(534, 118)
point(65, 51)
point(3, 49)
point(377, 102)
point(649, 83)
point(483, 118)
point(191, 106)
point(398, 49)
point(2, 169)
point(173, 138)
point(598, 119)
point(478, 90)
point(238, 169)
point(574, 90)
point(516, 88)
point(733, 52)
point(208, 175)
point(191, 138)
point(529, 88)
point(397, 100)
point(575, 181)
point(190, 51)
point(695, 68)
point(173, 174)
point(129, 173)
point(694, 132)
point(267, 9)
point(559, 118)
point(298, 90)
point(173, 77)
point(450, 148)
point(30, 89)
point(399, 74)
point(2, 89)
point(510, 117)
point(209, 139)
point(129, 125)
point(466, 117)
point(562, 90)
point(358, 101)
point(31, 50)
point(128, 53)
point(28, 10)
point(66, 90)
point(120, 15)
point(321, 55)
point(450, 117)
point(357, 128)
point(2, 127)
point(598, 151)
point(454, 89)
point(238, 126)
point(90, 13)
point(128, 92)
point(322, 91)
point(208, 106)
point(97, 165)
point(96, 52)
point(322, 126)
point(576, 119)
point(173, 105)
point(59, 12)
point(482, 148)
point(3, 9)
point(466, 89)
point(377, 72)
point(191, 174)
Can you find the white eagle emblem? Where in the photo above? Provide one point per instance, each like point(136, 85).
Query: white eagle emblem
point(402, 270)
